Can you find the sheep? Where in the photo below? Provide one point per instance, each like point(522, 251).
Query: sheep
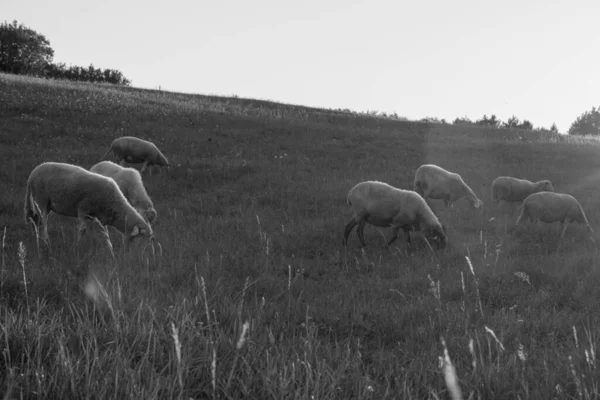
point(135, 151)
point(552, 207)
point(434, 182)
point(73, 191)
point(130, 182)
point(509, 189)
point(383, 205)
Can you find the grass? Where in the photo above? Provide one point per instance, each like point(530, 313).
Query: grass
point(249, 292)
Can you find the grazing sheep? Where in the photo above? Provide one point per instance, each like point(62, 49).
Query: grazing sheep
point(130, 182)
point(511, 189)
point(75, 192)
point(553, 207)
point(382, 205)
point(135, 151)
point(434, 182)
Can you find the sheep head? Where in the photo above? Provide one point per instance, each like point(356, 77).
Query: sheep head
point(140, 231)
point(477, 203)
point(148, 214)
point(437, 236)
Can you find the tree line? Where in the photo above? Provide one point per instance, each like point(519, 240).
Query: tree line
point(587, 123)
point(493, 122)
point(26, 52)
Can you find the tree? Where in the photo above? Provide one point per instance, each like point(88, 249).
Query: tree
point(587, 123)
point(491, 121)
point(554, 128)
point(512, 122)
point(462, 121)
point(23, 50)
point(432, 120)
point(525, 125)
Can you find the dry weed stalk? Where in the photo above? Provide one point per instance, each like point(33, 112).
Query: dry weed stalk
point(473, 356)
point(213, 368)
point(22, 254)
point(491, 332)
point(476, 287)
point(3, 247)
point(462, 281)
point(203, 287)
point(106, 236)
point(450, 374)
point(240, 309)
point(3, 265)
point(524, 277)
point(240, 344)
point(575, 378)
point(175, 336)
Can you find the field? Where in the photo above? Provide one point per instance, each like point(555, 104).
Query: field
point(249, 234)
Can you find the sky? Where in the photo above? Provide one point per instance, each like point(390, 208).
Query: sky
point(535, 59)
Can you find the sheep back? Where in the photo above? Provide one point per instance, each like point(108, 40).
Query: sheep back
point(512, 189)
point(437, 183)
point(386, 205)
point(553, 207)
point(135, 150)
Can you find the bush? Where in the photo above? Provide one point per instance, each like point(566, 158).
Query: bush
point(587, 123)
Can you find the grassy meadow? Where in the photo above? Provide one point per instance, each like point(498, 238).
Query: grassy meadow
point(248, 291)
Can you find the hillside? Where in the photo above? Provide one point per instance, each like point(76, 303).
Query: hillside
point(250, 223)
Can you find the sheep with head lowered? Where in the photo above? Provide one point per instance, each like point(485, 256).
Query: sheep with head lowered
point(435, 182)
point(509, 189)
point(135, 150)
point(552, 207)
point(383, 205)
point(73, 191)
point(130, 182)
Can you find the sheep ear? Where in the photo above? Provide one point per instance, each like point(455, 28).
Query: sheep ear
point(135, 231)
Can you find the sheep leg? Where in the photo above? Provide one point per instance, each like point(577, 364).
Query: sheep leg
point(144, 166)
point(360, 233)
point(81, 228)
point(122, 162)
point(407, 233)
point(522, 217)
point(394, 236)
point(81, 224)
point(349, 226)
point(565, 224)
point(44, 226)
point(448, 201)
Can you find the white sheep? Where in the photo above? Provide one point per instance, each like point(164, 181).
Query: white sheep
point(75, 192)
point(509, 189)
point(382, 205)
point(434, 182)
point(135, 150)
point(130, 182)
point(552, 207)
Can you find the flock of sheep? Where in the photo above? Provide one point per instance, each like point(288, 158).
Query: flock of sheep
point(114, 195)
point(108, 192)
point(382, 205)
